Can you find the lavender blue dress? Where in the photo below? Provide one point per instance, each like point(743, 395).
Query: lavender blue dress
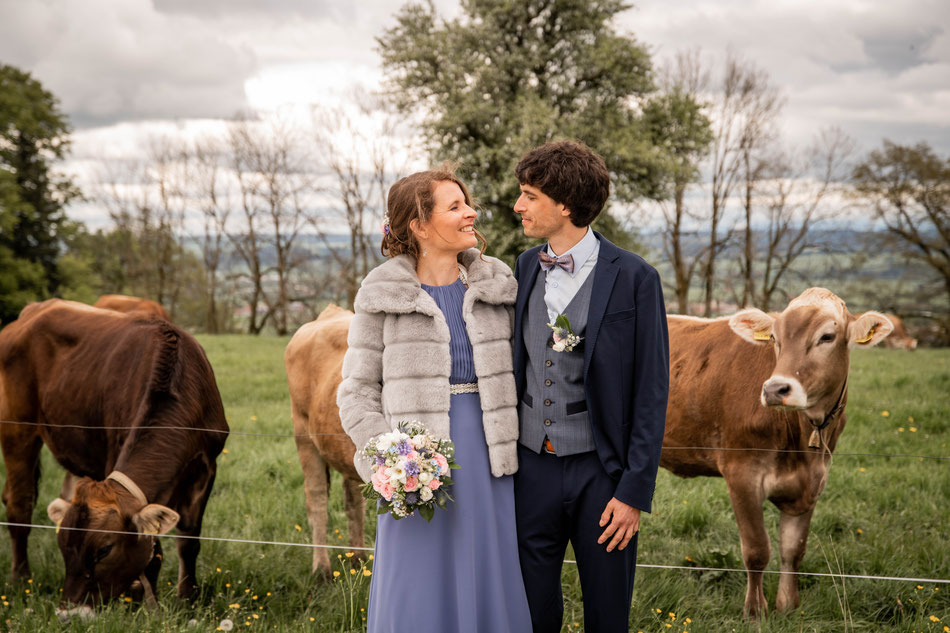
point(459, 573)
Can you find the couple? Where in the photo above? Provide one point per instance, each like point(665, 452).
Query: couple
point(580, 428)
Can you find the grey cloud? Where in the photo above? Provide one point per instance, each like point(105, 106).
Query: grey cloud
point(115, 60)
point(270, 9)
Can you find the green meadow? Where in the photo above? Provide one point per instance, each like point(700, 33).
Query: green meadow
point(885, 512)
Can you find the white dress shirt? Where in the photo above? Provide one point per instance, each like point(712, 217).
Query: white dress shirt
point(560, 286)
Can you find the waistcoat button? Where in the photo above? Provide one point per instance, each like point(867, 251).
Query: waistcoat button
point(547, 403)
point(548, 363)
point(547, 422)
point(547, 382)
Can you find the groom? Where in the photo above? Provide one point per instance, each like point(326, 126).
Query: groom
point(591, 415)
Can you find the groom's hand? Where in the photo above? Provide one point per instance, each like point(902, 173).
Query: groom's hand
point(624, 522)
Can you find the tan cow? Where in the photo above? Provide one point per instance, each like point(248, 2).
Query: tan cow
point(899, 338)
point(764, 410)
point(125, 303)
point(314, 362)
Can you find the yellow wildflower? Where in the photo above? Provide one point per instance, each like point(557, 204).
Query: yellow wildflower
point(336, 574)
point(349, 554)
point(913, 429)
point(298, 528)
point(885, 413)
point(367, 572)
point(352, 572)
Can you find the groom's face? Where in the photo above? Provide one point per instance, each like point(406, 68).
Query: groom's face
point(541, 216)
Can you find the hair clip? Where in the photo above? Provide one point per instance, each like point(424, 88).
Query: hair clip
point(385, 225)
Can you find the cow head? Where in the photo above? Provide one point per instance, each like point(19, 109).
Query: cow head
point(100, 565)
point(811, 338)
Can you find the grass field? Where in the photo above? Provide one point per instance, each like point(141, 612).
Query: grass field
point(877, 516)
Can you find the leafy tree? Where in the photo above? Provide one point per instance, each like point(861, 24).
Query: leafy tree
point(909, 188)
point(34, 134)
point(507, 76)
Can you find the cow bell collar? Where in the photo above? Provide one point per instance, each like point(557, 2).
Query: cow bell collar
point(815, 440)
point(126, 482)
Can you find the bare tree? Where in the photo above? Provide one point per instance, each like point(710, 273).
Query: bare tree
point(270, 162)
point(360, 150)
point(145, 201)
point(742, 108)
point(210, 180)
point(676, 123)
point(909, 190)
point(794, 201)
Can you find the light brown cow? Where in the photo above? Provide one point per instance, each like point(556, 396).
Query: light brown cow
point(129, 407)
point(314, 362)
point(764, 410)
point(899, 338)
point(125, 303)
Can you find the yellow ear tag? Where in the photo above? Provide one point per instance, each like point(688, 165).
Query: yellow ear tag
point(870, 334)
point(762, 335)
point(58, 523)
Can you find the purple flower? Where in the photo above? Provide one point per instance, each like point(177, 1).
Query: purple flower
point(404, 447)
point(380, 460)
point(412, 498)
point(412, 468)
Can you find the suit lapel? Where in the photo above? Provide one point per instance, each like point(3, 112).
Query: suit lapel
point(605, 274)
point(525, 286)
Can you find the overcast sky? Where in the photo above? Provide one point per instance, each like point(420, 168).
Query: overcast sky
point(877, 69)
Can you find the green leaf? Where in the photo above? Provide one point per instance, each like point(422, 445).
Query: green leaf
point(562, 322)
point(426, 512)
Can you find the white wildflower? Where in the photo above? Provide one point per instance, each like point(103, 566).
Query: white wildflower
point(226, 624)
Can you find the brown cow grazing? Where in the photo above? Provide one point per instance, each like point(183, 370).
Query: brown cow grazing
point(125, 303)
point(899, 338)
point(129, 407)
point(779, 389)
point(314, 361)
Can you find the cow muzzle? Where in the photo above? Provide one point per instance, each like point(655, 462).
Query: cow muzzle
point(83, 613)
point(782, 391)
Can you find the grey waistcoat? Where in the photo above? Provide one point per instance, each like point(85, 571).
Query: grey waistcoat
point(554, 404)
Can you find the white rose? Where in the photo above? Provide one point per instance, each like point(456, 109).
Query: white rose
point(559, 346)
point(425, 494)
point(418, 441)
point(397, 472)
point(425, 477)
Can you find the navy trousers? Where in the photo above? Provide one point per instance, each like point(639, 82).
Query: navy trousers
point(560, 499)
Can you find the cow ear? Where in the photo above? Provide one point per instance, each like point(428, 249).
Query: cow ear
point(869, 329)
point(155, 519)
point(57, 510)
point(753, 325)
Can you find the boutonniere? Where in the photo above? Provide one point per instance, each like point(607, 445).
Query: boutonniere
point(564, 338)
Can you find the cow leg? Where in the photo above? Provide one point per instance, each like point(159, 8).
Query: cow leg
point(747, 505)
point(21, 452)
point(793, 537)
point(201, 477)
point(316, 483)
point(355, 510)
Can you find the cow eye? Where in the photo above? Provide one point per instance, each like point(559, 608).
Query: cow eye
point(826, 338)
point(103, 552)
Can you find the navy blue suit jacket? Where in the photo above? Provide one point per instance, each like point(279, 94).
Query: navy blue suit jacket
point(626, 365)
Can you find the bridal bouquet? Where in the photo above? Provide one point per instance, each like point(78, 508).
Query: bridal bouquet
point(410, 471)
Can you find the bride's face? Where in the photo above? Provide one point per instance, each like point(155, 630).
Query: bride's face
point(452, 225)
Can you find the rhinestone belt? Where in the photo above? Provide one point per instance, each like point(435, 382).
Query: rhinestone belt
point(465, 387)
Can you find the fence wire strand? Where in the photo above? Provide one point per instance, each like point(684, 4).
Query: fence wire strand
point(312, 435)
point(938, 581)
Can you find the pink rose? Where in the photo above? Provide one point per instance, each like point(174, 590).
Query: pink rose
point(443, 464)
point(434, 484)
point(411, 483)
point(387, 491)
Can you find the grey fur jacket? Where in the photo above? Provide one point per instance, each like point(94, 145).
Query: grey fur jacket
point(397, 364)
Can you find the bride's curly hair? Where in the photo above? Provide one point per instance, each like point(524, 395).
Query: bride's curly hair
point(412, 198)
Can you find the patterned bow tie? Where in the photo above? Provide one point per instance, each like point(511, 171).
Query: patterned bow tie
point(564, 261)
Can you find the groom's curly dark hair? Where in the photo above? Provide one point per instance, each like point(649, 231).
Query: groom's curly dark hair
point(569, 173)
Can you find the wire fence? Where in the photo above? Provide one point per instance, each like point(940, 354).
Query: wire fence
point(939, 581)
point(312, 435)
